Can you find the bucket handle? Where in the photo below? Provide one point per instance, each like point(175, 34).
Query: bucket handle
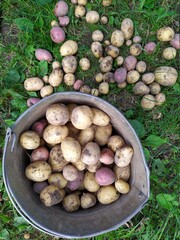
point(9, 135)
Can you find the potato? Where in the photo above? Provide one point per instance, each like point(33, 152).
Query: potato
point(127, 27)
point(150, 47)
point(123, 156)
point(119, 60)
point(71, 149)
point(46, 91)
point(160, 98)
point(106, 64)
point(140, 88)
point(169, 53)
point(84, 64)
point(115, 142)
point(175, 42)
point(90, 153)
point(71, 202)
point(94, 167)
point(69, 79)
point(135, 49)
point(55, 134)
point(77, 85)
point(29, 140)
point(43, 54)
point(33, 84)
point(58, 180)
point(82, 2)
point(56, 77)
point(104, 20)
point(92, 17)
point(97, 36)
point(39, 186)
point(122, 85)
point(130, 62)
point(56, 159)
point(51, 195)
point(61, 8)
point(107, 194)
point(90, 183)
point(107, 156)
point(86, 135)
point(100, 118)
point(69, 64)
point(166, 76)
point(107, 42)
point(87, 200)
point(103, 88)
point(57, 34)
point(148, 102)
point(97, 49)
point(54, 23)
point(70, 173)
point(80, 11)
point(39, 126)
point(122, 173)
point(141, 66)
point(95, 92)
point(74, 185)
point(56, 65)
point(155, 88)
point(132, 76)
point(31, 101)
point(122, 186)
point(39, 154)
point(165, 34)
point(148, 78)
point(109, 77)
point(117, 38)
point(38, 171)
point(57, 114)
point(85, 89)
point(104, 176)
point(102, 134)
point(137, 39)
point(63, 21)
point(82, 117)
point(128, 43)
point(106, 3)
point(120, 75)
point(46, 78)
point(112, 51)
point(68, 48)
point(99, 77)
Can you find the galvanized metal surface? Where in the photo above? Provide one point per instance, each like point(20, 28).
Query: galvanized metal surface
point(54, 220)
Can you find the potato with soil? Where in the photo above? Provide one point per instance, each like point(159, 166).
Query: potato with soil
point(141, 66)
point(122, 173)
point(115, 142)
point(127, 27)
point(61, 8)
point(43, 54)
point(100, 118)
point(107, 194)
point(97, 36)
point(94, 167)
point(90, 153)
point(29, 140)
point(39, 154)
point(68, 48)
point(86, 135)
point(148, 102)
point(169, 53)
point(90, 183)
point(55, 134)
point(102, 134)
point(109, 77)
point(104, 176)
point(70, 173)
point(78, 84)
point(165, 34)
point(57, 114)
point(57, 34)
point(46, 91)
point(84, 64)
point(99, 77)
point(148, 78)
point(122, 186)
point(71, 202)
point(92, 17)
point(69, 79)
point(107, 156)
point(71, 149)
point(155, 88)
point(119, 61)
point(80, 11)
point(132, 76)
point(106, 64)
point(123, 156)
point(58, 180)
point(112, 51)
point(135, 49)
point(166, 76)
point(56, 77)
point(97, 49)
point(130, 62)
point(69, 64)
point(33, 84)
point(103, 88)
point(140, 89)
point(85, 89)
point(38, 171)
point(63, 21)
point(106, 3)
point(117, 38)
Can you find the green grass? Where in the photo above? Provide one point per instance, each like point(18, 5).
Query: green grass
point(25, 26)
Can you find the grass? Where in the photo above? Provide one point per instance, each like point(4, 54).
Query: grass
point(25, 26)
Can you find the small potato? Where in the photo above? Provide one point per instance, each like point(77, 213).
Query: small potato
point(84, 64)
point(100, 118)
point(77, 85)
point(175, 42)
point(58, 180)
point(33, 84)
point(107, 42)
point(104, 20)
point(122, 85)
point(39, 186)
point(112, 51)
point(90, 153)
point(119, 60)
point(63, 21)
point(54, 23)
point(140, 88)
point(166, 76)
point(122, 173)
point(155, 88)
point(99, 77)
point(90, 183)
point(69, 79)
point(56, 77)
point(80, 11)
point(92, 17)
point(93, 168)
point(71, 202)
point(141, 66)
point(97, 36)
point(82, 117)
point(56, 65)
point(107, 194)
point(102, 134)
point(61, 8)
point(130, 62)
point(32, 101)
point(122, 186)
point(148, 78)
point(51, 195)
point(135, 49)
point(70, 173)
point(39, 126)
point(169, 53)
point(117, 38)
point(43, 54)
point(71, 149)
point(29, 140)
point(128, 43)
point(57, 34)
point(106, 3)
point(95, 92)
point(103, 88)
point(150, 47)
point(68, 48)
point(109, 77)
point(106, 64)
point(82, 2)
point(115, 142)
point(137, 39)
point(165, 34)
point(97, 49)
point(120, 75)
point(46, 91)
point(86, 135)
point(104, 176)
point(127, 27)
point(85, 89)
point(132, 76)
point(57, 114)
point(107, 156)
point(88, 200)
point(69, 64)
point(74, 185)
point(39, 154)
point(160, 98)
point(148, 102)
point(55, 134)
point(38, 171)
point(123, 156)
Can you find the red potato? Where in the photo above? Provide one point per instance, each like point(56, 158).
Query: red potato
point(61, 9)
point(120, 75)
point(39, 126)
point(57, 34)
point(74, 185)
point(43, 54)
point(78, 84)
point(104, 176)
point(39, 154)
point(130, 62)
point(107, 156)
point(32, 101)
point(63, 21)
point(39, 186)
point(150, 47)
point(175, 42)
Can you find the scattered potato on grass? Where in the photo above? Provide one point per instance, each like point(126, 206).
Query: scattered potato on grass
point(155, 88)
point(106, 3)
point(56, 65)
point(82, 2)
point(115, 142)
point(97, 49)
point(69, 79)
point(33, 84)
point(137, 39)
point(78, 84)
point(112, 51)
point(160, 98)
point(175, 42)
point(135, 49)
point(85, 89)
point(84, 64)
point(43, 54)
point(57, 34)
point(68, 48)
point(130, 62)
point(140, 88)
point(46, 91)
point(97, 36)
point(148, 102)
point(120, 75)
point(132, 76)
point(150, 47)
point(141, 66)
point(92, 17)
point(106, 64)
point(63, 21)
point(69, 64)
point(148, 78)
point(61, 8)
point(95, 92)
point(165, 34)
point(109, 77)
point(56, 77)
point(119, 61)
point(80, 11)
point(99, 77)
point(169, 53)
point(166, 76)
point(104, 20)
point(117, 38)
point(104, 88)
point(127, 27)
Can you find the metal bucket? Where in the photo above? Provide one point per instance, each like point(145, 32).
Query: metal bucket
point(54, 220)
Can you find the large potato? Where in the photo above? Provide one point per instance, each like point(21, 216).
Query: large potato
point(58, 180)
point(33, 84)
point(88, 200)
point(90, 153)
point(115, 142)
point(100, 118)
point(56, 77)
point(92, 17)
point(51, 195)
point(29, 140)
point(160, 98)
point(122, 173)
point(84, 64)
point(127, 27)
point(165, 34)
point(69, 64)
point(68, 48)
point(69, 79)
point(57, 114)
point(86, 135)
point(141, 66)
point(106, 64)
point(166, 76)
point(117, 38)
point(71, 202)
point(55, 134)
point(90, 183)
point(71, 149)
point(97, 49)
point(123, 156)
point(102, 134)
point(107, 194)
point(80, 11)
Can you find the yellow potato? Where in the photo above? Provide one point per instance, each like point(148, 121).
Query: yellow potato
point(117, 38)
point(115, 142)
point(69, 64)
point(57, 114)
point(127, 27)
point(90, 183)
point(56, 77)
point(88, 200)
point(55, 134)
point(58, 180)
point(148, 102)
point(165, 34)
point(86, 135)
point(122, 186)
point(46, 91)
point(30, 140)
point(92, 17)
point(169, 53)
point(33, 84)
point(71, 202)
point(123, 156)
point(106, 64)
point(100, 118)
point(97, 49)
point(80, 11)
point(71, 149)
point(51, 195)
point(107, 194)
point(68, 48)
point(122, 173)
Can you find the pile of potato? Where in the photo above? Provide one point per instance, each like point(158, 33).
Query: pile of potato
point(76, 157)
